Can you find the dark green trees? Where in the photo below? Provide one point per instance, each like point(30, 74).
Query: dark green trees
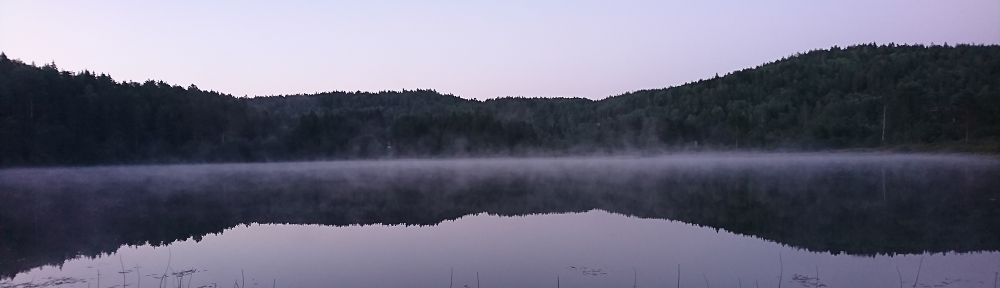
point(856, 97)
point(56, 117)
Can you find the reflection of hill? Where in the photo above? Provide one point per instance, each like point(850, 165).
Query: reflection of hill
point(934, 205)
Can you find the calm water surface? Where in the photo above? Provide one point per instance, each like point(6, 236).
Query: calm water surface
point(721, 220)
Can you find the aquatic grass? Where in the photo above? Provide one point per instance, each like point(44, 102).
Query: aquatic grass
point(170, 256)
point(635, 277)
point(122, 262)
point(916, 280)
point(48, 282)
point(178, 277)
point(900, 277)
point(781, 272)
point(138, 276)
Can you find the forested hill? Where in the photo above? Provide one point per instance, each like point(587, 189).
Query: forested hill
point(865, 96)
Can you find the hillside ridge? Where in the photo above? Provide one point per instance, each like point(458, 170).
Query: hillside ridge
point(859, 97)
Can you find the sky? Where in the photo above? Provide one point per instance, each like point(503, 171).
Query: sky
point(472, 49)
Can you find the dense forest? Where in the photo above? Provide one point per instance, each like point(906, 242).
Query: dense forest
point(860, 97)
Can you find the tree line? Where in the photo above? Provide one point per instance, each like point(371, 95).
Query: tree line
point(862, 96)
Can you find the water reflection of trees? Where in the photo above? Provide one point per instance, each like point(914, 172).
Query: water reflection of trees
point(840, 208)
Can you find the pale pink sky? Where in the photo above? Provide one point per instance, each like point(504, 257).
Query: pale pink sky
point(473, 49)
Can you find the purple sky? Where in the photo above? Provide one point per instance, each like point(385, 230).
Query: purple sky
point(472, 49)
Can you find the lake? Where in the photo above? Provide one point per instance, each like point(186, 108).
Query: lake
point(690, 220)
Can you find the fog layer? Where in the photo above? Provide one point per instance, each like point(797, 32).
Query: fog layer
point(860, 204)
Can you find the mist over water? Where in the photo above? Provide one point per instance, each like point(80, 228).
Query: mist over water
point(521, 222)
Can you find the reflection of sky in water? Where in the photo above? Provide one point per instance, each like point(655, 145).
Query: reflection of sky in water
point(530, 251)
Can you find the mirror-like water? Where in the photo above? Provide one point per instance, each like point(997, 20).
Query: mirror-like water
point(724, 220)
